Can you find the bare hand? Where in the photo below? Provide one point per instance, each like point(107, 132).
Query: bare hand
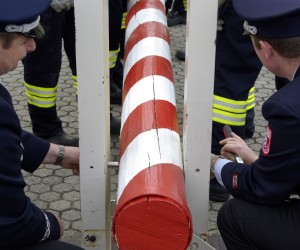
point(71, 159)
point(238, 146)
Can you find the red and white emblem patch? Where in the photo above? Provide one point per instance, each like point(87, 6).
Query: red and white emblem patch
point(266, 146)
point(234, 183)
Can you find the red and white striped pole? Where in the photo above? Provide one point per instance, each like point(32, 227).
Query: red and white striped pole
point(151, 211)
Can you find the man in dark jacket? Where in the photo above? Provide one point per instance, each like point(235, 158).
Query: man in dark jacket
point(21, 222)
point(263, 215)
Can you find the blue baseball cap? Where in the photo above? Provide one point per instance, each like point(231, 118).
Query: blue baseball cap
point(272, 19)
point(22, 16)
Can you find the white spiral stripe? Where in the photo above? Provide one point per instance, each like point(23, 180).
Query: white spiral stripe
point(144, 90)
point(150, 46)
point(146, 150)
point(144, 16)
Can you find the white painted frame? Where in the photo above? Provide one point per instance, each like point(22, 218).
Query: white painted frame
point(197, 120)
point(91, 18)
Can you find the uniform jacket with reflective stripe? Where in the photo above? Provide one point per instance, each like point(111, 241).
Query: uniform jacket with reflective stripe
point(21, 222)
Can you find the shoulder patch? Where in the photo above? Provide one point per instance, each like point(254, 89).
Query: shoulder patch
point(234, 182)
point(266, 146)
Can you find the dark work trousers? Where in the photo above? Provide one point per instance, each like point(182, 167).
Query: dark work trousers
point(115, 33)
point(115, 19)
point(255, 227)
point(236, 69)
point(50, 245)
point(42, 67)
point(178, 6)
point(168, 5)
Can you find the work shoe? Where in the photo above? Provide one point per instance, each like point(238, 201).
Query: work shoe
point(217, 192)
point(63, 138)
point(115, 94)
point(180, 54)
point(115, 125)
point(176, 18)
point(117, 73)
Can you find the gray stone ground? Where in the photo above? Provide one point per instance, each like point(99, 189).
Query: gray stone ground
point(57, 190)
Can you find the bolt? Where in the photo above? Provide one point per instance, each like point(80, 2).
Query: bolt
point(90, 238)
point(194, 246)
point(93, 238)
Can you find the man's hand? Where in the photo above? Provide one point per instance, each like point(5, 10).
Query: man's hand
point(59, 5)
point(71, 159)
point(238, 146)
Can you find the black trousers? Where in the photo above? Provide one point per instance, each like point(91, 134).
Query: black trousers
point(51, 245)
point(249, 226)
point(236, 70)
point(42, 67)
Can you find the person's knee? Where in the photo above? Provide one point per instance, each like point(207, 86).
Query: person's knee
point(223, 215)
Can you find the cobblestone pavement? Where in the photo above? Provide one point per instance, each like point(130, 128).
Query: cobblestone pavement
point(57, 190)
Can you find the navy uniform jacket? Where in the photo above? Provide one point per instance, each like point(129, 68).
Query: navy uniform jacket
point(276, 173)
point(21, 222)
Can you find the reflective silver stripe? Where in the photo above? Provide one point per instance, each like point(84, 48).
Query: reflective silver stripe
point(39, 91)
point(41, 102)
point(229, 118)
point(251, 103)
point(229, 105)
point(251, 99)
point(47, 230)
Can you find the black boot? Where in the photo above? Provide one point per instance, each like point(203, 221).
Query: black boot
point(117, 73)
point(180, 54)
point(176, 18)
point(115, 94)
point(63, 138)
point(217, 192)
point(115, 125)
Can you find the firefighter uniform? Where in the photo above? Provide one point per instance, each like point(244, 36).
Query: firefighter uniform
point(264, 215)
point(236, 70)
point(42, 69)
point(22, 223)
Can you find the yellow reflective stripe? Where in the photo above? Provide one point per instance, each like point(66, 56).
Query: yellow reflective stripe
point(40, 97)
point(40, 91)
point(75, 84)
point(185, 4)
point(229, 105)
point(228, 118)
point(251, 93)
point(250, 103)
point(113, 56)
point(123, 24)
point(251, 99)
point(41, 102)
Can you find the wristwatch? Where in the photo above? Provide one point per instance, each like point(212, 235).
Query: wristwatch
point(61, 154)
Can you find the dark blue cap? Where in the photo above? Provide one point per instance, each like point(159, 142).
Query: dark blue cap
point(21, 16)
point(273, 19)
